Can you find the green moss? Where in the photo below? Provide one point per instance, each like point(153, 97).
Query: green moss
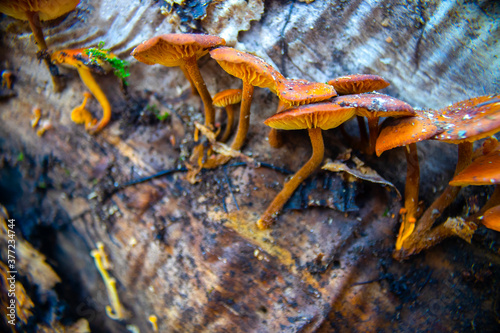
point(120, 67)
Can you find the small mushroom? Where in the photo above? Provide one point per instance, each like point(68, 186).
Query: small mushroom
point(85, 64)
point(373, 107)
point(295, 92)
point(315, 118)
point(253, 71)
point(484, 170)
point(80, 115)
point(226, 99)
point(7, 79)
point(183, 50)
point(35, 11)
point(407, 131)
point(358, 84)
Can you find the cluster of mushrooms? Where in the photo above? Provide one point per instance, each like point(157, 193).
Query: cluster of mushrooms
point(316, 107)
point(321, 106)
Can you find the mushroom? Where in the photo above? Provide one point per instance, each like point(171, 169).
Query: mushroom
point(80, 115)
point(407, 131)
point(485, 170)
point(7, 79)
point(358, 84)
point(183, 50)
point(295, 92)
point(35, 11)
point(226, 99)
point(315, 118)
point(84, 63)
point(461, 123)
point(374, 106)
point(253, 71)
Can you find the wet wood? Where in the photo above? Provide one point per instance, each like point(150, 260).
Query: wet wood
point(191, 254)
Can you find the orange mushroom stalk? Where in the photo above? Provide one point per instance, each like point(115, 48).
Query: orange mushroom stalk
point(84, 64)
point(182, 50)
point(314, 118)
point(253, 71)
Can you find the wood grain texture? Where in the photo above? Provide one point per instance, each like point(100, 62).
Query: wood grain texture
point(191, 254)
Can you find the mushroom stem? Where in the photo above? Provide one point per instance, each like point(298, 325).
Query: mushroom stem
point(229, 122)
point(373, 128)
point(493, 201)
point(194, 91)
point(411, 194)
point(318, 150)
point(449, 194)
point(275, 138)
point(363, 136)
point(194, 73)
point(36, 28)
point(244, 121)
point(94, 88)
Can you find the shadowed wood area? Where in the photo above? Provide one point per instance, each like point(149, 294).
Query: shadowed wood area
point(191, 254)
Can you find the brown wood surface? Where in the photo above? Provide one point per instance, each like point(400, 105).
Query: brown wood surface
point(191, 254)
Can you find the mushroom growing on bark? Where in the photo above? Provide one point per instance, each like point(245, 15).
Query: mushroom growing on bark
point(314, 118)
point(373, 107)
point(226, 99)
point(461, 123)
point(85, 63)
point(295, 92)
point(253, 71)
point(358, 84)
point(182, 50)
point(485, 170)
point(35, 11)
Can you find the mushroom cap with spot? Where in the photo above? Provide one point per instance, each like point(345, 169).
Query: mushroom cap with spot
point(247, 67)
point(46, 9)
point(375, 105)
point(396, 132)
point(294, 92)
point(485, 170)
point(358, 83)
point(170, 50)
point(319, 115)
point(227, 97)
point(469, 120)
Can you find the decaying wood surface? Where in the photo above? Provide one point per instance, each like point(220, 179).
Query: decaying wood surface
point(191, 254)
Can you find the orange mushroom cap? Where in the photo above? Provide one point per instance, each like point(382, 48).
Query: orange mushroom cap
point(491, 218)
point(358, 83)
point(485, 170)
point(469, 120)
point(46, 9)
point(227, 97)
point(318, 115)
point(294, 92)
point(375, 105)
point(396, 132)
point(78, 58)
point(171, 49)
point(247, 67)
